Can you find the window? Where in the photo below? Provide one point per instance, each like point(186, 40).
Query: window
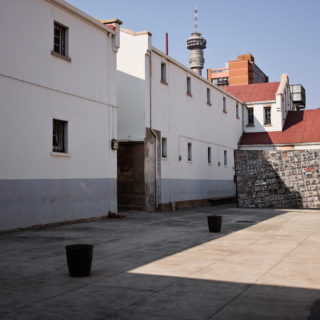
point(189, 151)
point(208, 97)
point(60, 39)
point(59, 136)
point(250, 117)
point(209, 155)
point(189, 86)
point(237, 111)
point(224, 105)
point(163, 73)
point(267, 115)
point(225, 158)
point(164, 147)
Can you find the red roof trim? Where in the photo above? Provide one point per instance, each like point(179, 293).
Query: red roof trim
point(300, 127)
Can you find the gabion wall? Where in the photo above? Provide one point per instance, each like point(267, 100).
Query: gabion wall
point(280, 179)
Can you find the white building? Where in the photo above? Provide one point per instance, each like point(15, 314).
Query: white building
point(177, 131)
point(267, 104)
point(58, 114)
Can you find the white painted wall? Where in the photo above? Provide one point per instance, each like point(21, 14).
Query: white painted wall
point(38, 186)
point(37, 87)
point(182, 119)
point(132, 87)
point(279, 110)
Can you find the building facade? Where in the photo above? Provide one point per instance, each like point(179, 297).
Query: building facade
point(267, 104)
point(177, 131)
point(58, 114)
point(241, 71)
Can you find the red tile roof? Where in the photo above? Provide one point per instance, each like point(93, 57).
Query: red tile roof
point(254, 92)
point(300, 127)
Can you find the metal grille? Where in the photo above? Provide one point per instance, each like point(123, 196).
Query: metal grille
point(250, 116)
point(59, 136)
point(267, 115)
point(59, 39)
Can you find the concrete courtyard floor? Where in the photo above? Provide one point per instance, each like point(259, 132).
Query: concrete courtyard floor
point(265, 264)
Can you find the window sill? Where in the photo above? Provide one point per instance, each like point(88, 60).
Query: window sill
point(164, 82)
point(60, 56)
point(249, 125)
point(209, 104)
point(60, 154)
point(189, 161)
point(238, 118)
point(267, 125)
point(225, 111)
point(189, 94)
point(164, 158)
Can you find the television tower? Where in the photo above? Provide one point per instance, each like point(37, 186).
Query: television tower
point(196, 43)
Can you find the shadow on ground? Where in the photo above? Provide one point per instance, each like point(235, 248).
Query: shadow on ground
point(35, 283)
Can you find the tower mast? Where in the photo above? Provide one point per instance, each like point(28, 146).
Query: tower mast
point(196, 43)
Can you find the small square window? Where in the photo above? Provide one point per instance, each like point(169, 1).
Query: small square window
point(224, 105)
point(189, 151)
point(209, 155)
point(59, 136)
point(208, 97)
point(164, 147)
point(188, 86)
point(225, 157)
point(163, 72)
point(250, 117)
point(267, 115)
point(60, 45)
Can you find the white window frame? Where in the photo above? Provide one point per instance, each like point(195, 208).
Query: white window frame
point(225, 157)
point(265, 115)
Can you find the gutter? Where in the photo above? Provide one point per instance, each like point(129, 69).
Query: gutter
point(153, 132)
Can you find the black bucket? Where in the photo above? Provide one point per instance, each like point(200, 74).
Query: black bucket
point(214, 223)
point(79, 258)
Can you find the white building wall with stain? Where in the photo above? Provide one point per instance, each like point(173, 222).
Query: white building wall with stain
point(38, 186)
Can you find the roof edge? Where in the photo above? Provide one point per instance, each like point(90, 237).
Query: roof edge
point(180, 65)
point(135, 33)
point(80, 14)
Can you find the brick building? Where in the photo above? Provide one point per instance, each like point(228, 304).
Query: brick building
point(243, 70)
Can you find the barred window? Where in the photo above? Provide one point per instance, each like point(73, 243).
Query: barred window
point(59, 136)
point(267, 115)
point(60, 39)
point(250, 116)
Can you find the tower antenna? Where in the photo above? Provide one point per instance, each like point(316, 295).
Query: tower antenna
point(196, 43)
point(195, 15)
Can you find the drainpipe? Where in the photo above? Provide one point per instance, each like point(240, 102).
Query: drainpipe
point(153, 133)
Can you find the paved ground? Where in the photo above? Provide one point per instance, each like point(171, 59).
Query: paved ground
point(265, 264)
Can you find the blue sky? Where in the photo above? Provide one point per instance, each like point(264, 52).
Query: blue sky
point(282, 35)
